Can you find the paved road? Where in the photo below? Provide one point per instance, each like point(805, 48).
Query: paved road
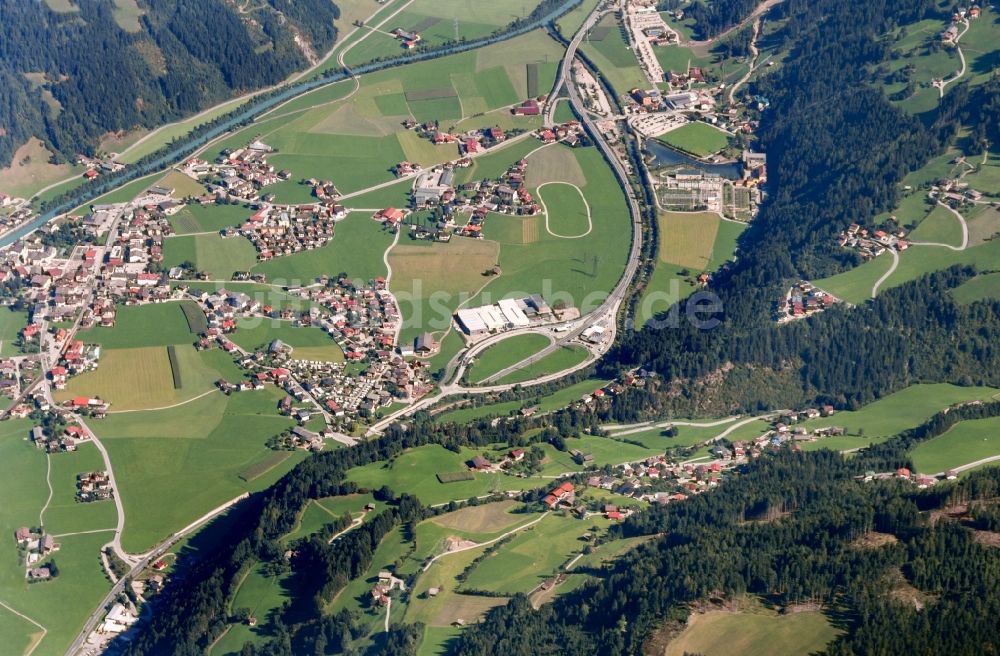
point(606, 313)
point(885, 276)
point(961, 56)
point(144, 561)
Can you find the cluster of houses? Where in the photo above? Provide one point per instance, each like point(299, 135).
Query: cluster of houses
point(872, 243)
point(17, 217)
point(37, 544)
point(802, 300)
point(276, 231)
point(10, 378)
point(93, 486)
point(955, 192)
point(245, 171)
point(63, 440)
point(471, 142)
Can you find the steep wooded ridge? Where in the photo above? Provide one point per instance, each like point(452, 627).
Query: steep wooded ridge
point(837, 151)
point(70, 78)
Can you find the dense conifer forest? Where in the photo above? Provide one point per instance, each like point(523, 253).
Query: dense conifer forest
point(185, 56)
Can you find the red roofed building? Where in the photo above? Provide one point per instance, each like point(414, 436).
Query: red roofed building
point(615, 515)
point(528, 108)
point(390, 215)
point(471, 146)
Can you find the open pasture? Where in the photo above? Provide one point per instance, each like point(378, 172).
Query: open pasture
point(135, 326)
point(507, 352)
point(356, 249)
point(717, 633)
point(174, 465)
point(213, 254)
point(452, 272)
point(140, 378)
point(562, 358)
point(307, 342)
point(208, 218)
point(964, 443)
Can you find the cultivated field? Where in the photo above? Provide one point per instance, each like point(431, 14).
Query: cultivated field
point(213, 254)
point(11, 323)
point(308, 342)
point(608, 49)
point(60, 605)
point(452, 272)
point(208, 218)
point(488, 518)
point(356, 249)
point(688, 238)
point(139, 378)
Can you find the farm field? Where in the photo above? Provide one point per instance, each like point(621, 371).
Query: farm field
point(758, 633)
point(606, 451)
point(505, 353)
point(435, 21)
point(355, 143)
point(431, 279)
point(983, 286)
point(356, 249)
point(174, 465)
point(690, 242)
point(136, 326)
point(895, 413)
point(939, 226)
point(915, 262)
point(217, 256)
point(60, 605)
point(196, 218)
point(415, 472)
point(560, 359)
point(964, 443)
point(697, 138)
point(608, 49)
point(140, 378)
point(183, 185)
point(532, 555)
point(11, 323)
point(308, 342)
point(855, 285)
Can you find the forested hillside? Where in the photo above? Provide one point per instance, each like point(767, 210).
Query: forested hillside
point(71, 77)
point(837, 150)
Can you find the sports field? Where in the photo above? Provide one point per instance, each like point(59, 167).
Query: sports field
point(507, 352)
point(761, 633)
point(175, 465)
point(158, 324)
point(566, 211)
point(697, 138)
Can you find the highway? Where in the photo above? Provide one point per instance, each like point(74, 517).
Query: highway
point(605, 314)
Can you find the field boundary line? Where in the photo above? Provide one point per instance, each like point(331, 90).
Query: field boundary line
point(165, 407)
point(25, 617)
point(590, 220)
point(48, 481)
